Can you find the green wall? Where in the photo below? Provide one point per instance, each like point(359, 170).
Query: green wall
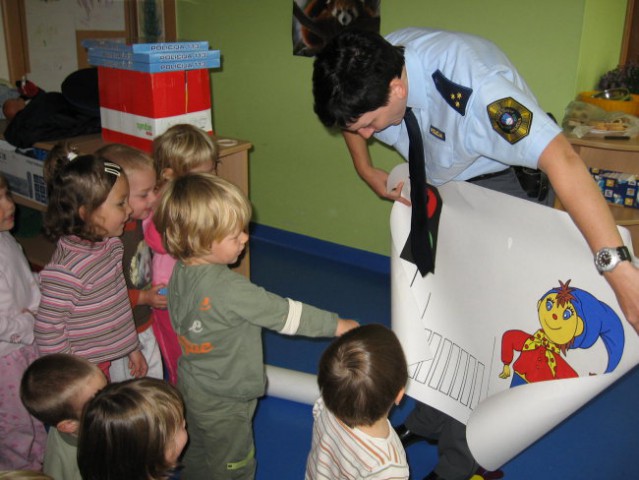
point(301, 175)
point(600, 41)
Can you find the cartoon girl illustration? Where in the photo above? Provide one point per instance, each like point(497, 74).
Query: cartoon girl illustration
point(570, 318)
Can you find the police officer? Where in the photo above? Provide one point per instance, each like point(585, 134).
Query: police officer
point(479, 122)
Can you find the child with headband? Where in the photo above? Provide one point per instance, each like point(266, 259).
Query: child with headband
point(140, 171)
point(85, 308)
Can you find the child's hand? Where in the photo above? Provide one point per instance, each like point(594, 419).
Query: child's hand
point(344, 326)
point(154, 299)
point(137, 364)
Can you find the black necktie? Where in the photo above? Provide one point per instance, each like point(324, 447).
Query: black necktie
point(421, 249)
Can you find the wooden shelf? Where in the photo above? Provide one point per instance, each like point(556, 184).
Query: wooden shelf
point(625, 216)
point(629, 145)
point(619, 156)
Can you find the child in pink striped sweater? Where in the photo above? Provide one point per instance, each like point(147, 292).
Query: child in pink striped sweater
point(85, 308)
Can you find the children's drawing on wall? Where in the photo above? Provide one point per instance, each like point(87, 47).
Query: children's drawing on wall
point(316, 21)
point(569, 318)
point(92, 15)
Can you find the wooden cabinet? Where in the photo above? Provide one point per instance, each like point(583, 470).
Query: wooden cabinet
point(233, 166)
point(620, 156)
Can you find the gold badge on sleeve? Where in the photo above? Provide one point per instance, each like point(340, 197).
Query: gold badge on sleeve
point(510, 119)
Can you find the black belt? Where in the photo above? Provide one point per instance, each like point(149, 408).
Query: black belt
point(486, 176)
point(534, 182)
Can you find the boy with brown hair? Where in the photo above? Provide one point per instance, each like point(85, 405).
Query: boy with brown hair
point(55, 389)
point(361, 375)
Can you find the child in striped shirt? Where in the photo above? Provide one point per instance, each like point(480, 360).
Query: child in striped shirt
point(361, 375)
point(140, 171)
point(85, 308)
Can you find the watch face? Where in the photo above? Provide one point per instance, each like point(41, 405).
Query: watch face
point(605, 257)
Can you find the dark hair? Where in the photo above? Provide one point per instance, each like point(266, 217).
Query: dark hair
point(361, 373)
point(126, 429)
point(352, 75)
point(77, 181)
point(57, 156)
point(50, 385)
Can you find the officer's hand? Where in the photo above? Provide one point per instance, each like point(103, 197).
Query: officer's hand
point(376, 178)
point(624, 280)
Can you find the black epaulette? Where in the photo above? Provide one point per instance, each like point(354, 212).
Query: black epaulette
point(455, 95)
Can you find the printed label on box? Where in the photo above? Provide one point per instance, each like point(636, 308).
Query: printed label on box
point(157, 67)
point(149, 128)
point(24, 174)
point(120, 44)
point(154, 57)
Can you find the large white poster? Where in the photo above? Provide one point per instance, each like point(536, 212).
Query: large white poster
point(515, 330)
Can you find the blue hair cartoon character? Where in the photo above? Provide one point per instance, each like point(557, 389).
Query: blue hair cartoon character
point(570, 318)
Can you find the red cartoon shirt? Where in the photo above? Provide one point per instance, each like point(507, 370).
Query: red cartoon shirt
point(540, 359)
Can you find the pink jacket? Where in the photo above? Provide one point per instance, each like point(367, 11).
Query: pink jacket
point(162, 263)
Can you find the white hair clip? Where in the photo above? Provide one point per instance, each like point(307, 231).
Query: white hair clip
point(112, 168)
point(72, 156)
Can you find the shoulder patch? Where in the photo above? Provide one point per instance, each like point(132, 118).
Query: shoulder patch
point(510, 119)
point(455, 95)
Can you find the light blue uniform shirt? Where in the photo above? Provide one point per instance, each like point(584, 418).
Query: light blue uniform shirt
point(462, 140)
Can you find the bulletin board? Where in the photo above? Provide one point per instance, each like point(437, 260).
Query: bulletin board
point(43, 38)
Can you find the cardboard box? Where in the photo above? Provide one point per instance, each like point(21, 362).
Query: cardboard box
point(155, 62)
point(136, 107)
point(24, 173)
point(119, 45)
point(617, 187)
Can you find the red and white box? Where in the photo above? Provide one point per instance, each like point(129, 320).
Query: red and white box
point(136, 107)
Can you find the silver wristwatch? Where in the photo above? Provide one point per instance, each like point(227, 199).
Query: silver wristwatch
point(607, 259)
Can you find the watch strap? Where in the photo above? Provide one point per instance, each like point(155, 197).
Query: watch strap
point(624, 253)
